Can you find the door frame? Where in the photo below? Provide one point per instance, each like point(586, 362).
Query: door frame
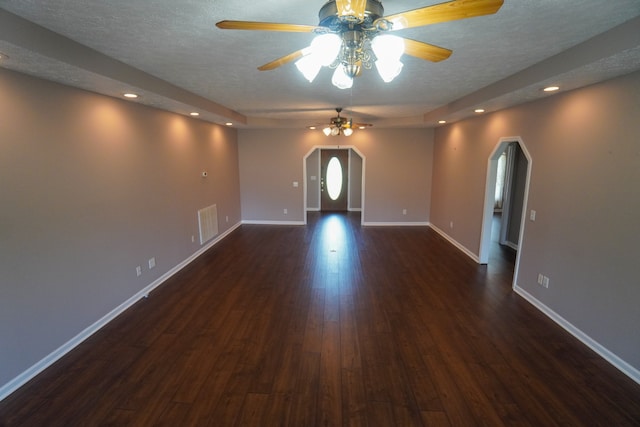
point(344, 197)
point(489, 200)
point(363, 175)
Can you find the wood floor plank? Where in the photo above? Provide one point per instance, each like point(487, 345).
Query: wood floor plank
point(253, 408)
point(330, 323)
point(330, 393)
point(453, 400)
point(305, 401)
point(435, 419)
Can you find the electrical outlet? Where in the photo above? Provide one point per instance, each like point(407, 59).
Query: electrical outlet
point(152, 263)
point(286, 211)
point(532, 215)
point(227, 218)
point(193, 238)
point(138, 271)
point(451, 224)
point(543, 281)
point(404, 211)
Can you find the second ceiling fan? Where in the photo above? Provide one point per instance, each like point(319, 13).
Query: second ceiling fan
point(339, 125)
point(354, 35)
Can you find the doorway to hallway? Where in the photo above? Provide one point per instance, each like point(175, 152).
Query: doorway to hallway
point(505, 226)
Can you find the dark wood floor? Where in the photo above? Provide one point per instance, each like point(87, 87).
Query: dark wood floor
point(331, 324)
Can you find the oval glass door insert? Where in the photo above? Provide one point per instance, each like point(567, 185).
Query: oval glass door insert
point(334, 178)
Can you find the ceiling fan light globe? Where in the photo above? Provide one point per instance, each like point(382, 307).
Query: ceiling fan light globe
point(388, 70)
point(347, 132)
point(335, 131)
point(309, 67)
point(340, 78)
point(388, 47)
point(327, 131)
point(325, 48)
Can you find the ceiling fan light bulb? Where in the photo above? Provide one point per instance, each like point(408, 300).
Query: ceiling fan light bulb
point(327, 131)
point(347, 131)
point(388, 47)
point(325, 48)
point(388, 70)
point(335, 131)
point(309, 67)
point(340, 78)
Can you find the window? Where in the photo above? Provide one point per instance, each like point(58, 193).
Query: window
point(334, 178)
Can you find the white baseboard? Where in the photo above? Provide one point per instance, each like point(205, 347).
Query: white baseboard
point(54, 356)
point(455, 243)
point(395, 224)
point(319, 210)
point(610, 357)
point(512, 246)
point(261, 222)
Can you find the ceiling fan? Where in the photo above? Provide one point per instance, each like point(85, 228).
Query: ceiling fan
point(341, 125)
point(354, 34)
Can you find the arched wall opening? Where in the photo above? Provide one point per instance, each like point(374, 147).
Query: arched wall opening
point(489, 200)
point(312, 185)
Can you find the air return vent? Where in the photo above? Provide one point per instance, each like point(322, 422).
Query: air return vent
point(208, 222)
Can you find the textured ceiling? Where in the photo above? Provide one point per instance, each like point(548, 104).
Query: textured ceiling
point(172, 53)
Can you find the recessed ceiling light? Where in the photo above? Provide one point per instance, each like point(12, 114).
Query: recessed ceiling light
point(194, 114)
point(362, 127)
point(130, 95)
point(229, 124)
point(479, 110)
point(442, 122)
point(551, 88)
point(312, 127)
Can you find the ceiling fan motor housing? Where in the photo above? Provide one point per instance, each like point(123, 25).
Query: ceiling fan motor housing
point(339, 121)
point(329, 16)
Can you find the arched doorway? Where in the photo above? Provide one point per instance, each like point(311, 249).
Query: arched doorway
point(355, 182)
point(516, 202)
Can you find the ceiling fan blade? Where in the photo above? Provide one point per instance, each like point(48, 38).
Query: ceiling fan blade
point(284, 60)
point(266, 26)
point(443, 12)
point(355, 8)
point(426, 51)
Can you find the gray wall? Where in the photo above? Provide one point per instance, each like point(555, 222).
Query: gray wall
point(585, 188)
point(90, 188)
point(313, 180)
point(355, 181)
point(397, 166)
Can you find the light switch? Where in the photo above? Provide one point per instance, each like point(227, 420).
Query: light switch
point(295, 184)
point(313, 177)
point(532, 215)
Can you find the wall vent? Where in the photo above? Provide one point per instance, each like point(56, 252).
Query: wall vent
point(208, 222)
